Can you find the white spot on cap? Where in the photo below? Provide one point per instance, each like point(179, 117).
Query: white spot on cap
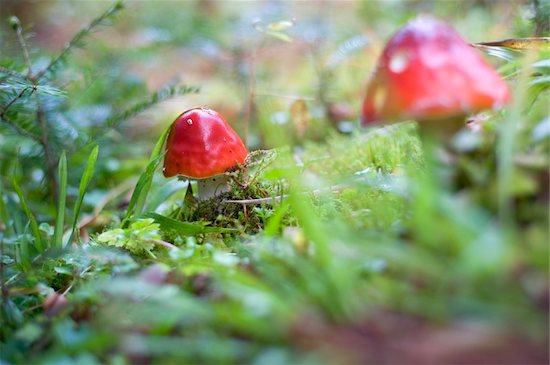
point(399, 61)
point(190, 121)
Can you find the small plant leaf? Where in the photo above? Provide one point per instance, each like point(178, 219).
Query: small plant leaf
point(30, 216)
point(60, 217)
point(154, 161)
point(137, 238)
point(84, 181)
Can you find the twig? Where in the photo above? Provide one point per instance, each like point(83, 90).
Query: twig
point(11, 72)
point(162, 243)
point(270, 200)
point(278, 198)
point(21, 40)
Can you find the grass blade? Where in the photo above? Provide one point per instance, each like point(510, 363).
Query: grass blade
point(141, 190)
point(32, 221)
point(507, 143)
point(162, 194)
point(60, 217)
point(137, 201)
point(4, 215)
point(84, 181)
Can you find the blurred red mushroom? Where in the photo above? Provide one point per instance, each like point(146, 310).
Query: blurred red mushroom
point(428, 73)
point(202, 146)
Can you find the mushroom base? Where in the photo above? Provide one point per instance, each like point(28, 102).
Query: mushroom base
point(212, 186)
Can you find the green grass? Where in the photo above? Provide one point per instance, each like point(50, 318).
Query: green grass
point(351, 248)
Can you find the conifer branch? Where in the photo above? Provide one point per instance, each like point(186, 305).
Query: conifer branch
point(13, 124)
point(76, 41)
point(19, 96)
point(155, 98)
point(18, 129)
point(10, 72)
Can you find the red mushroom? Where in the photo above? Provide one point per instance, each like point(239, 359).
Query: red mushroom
point(428, 73)
point(202, 146)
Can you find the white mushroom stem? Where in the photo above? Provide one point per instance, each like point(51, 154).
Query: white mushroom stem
point(212, 186)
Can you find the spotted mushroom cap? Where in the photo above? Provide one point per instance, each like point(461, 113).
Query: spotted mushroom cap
point(428, 72)
point(201, 144)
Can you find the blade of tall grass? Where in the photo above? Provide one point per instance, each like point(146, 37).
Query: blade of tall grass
point(302, 207)
point(84, 181)
point(137, 201)
point(4, 215)
point(273, 226)
point(507, 143)
point(60, 217)
point(32, 221)
point(162, 194)
point(310, 222)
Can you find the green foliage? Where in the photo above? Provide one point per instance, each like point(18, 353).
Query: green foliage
point(32, 222)
point(60, 217)
point(46, 122)
point(143, 185)
point(138, 238)
point(84, 181)
point(340, 246)
point(175, 228)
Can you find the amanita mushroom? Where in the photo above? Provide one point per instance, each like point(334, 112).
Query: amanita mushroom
point(202, 146)
point(428, 73)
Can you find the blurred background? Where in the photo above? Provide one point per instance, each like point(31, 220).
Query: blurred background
point(251, 59)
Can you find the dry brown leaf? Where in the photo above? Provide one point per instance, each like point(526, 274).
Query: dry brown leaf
point(523, 44)
point(299, 114)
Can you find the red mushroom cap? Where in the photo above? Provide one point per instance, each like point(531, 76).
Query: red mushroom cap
point(201, 144)
point(428, 72)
